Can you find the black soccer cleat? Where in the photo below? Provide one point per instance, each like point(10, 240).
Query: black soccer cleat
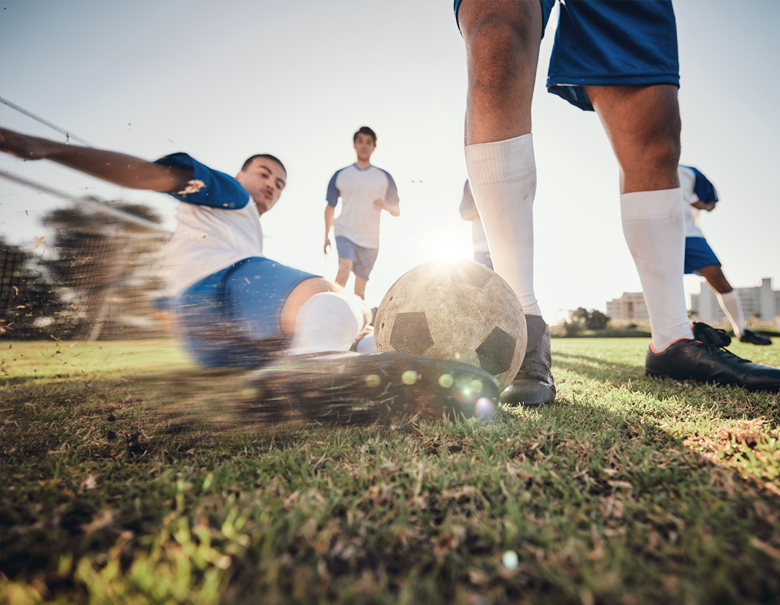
point(705, 359)
point(348, 388)
point(750, 337)
point(534, 384)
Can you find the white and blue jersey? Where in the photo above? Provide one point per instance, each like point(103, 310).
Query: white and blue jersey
point(217, 226)
point(695, 188)
point(358, 188)
point(226, 295)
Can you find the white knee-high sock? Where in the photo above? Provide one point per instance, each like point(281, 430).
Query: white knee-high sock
point(732, 307)
point(654, 231)
point(503, 179)
point(327, 322)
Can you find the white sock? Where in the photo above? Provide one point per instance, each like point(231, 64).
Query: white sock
point(503, 179)
point(366, 345)
point(732, 307)
point(654, 231)
point(326, 322)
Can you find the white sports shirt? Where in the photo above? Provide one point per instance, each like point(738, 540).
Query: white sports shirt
point(695, 188)
point(217, 226)
point(358, 188)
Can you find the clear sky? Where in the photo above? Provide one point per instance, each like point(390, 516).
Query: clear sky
point(224, 80)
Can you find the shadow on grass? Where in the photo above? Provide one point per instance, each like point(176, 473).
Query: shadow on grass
point(732, 402)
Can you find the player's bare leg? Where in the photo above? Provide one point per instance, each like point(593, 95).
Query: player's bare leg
point(360, 287)
point(345, 268)
point(643, 125)
point(729, 301)
point(502, 50)
point(715, 278)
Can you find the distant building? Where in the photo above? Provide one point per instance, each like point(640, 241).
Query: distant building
point(631, 306)
point(760, 301)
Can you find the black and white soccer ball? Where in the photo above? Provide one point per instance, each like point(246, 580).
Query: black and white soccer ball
point(457, 310)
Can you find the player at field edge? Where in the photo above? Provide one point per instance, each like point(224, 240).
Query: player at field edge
point(236, 308)
point(700, 194)
point(618, 59)
point(365, 190)
point(469, 212)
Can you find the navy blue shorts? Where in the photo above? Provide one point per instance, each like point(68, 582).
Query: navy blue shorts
point(232, 318)
point(698, 254)
point(363, 259)
point(610, 43)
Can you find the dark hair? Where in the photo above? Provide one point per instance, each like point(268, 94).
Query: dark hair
point(262, 155)
point(365, 130)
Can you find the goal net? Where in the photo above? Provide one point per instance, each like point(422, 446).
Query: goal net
point(73, 265)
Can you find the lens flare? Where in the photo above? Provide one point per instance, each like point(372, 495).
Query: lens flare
point(409, 377)
point(484, 408)
point(509, 559)
point(446, 381)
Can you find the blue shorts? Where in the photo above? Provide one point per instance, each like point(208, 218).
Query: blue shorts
point(698, 254)
point(232, 318)
point(610, 43)
point(363, 259)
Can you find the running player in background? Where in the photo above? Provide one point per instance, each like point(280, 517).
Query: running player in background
point(365, 191)
point(620, 60)
point(469, 212)
point(700, 194)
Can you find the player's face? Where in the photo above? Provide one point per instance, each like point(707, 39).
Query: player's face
point(263, 180)
point(364, 147)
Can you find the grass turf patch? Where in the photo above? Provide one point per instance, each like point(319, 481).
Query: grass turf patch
point(627, 490)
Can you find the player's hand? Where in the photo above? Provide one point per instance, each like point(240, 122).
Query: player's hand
point(703, 206)
point(22, 145)
point(379, 205)
point(327, 245)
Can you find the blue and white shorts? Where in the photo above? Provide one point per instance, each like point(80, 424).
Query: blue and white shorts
point(609, 43)
point(698, 254)
point(363, 259)
point(232, 318)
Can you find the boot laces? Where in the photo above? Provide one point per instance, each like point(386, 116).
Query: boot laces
point(716, 341)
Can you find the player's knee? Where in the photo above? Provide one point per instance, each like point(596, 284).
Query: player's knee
point(495, 47)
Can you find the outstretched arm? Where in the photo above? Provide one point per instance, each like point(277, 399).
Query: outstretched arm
point(118, 168)
point(329, 212)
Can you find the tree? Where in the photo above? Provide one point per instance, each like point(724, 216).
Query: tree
point(584, 319)
point(30, 305)
point(103, 264)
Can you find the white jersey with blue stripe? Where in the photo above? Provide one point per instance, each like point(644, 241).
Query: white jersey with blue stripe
point(695, 188)
point(358, 188)
point(217, 225)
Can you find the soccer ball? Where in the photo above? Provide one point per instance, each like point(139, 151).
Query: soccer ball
point(457, 310)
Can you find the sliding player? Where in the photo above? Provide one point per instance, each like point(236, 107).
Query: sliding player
point(699, 194)
point(619, 59)
point(236, 308)
point(365, 191)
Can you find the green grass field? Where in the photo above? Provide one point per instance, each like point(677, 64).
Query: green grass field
point(626, 491)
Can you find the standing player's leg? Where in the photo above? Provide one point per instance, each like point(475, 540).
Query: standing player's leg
point(502, 50)
point(729, 301)
point(345, 268)
point(360, 287)
point(365, 258)
point(643, 125)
